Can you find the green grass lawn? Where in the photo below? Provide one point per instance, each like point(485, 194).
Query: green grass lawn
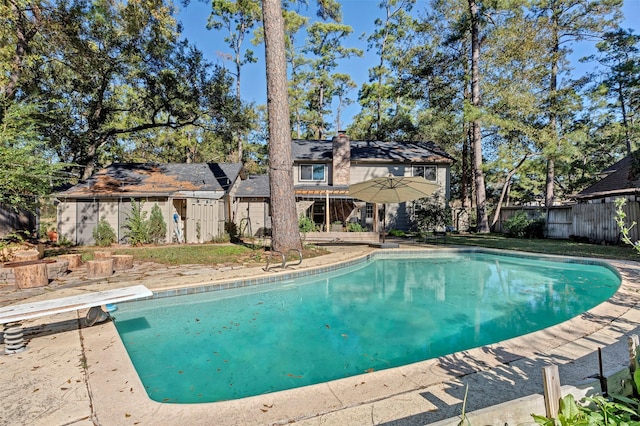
point(193, 254)
point(228, 254)
point(559, 247)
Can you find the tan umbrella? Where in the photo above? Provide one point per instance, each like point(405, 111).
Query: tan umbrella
point(392, 189)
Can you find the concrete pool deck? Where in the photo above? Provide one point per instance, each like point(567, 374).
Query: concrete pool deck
point(74, 375)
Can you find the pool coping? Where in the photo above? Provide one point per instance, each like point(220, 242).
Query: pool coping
point(331, 398)
point(419, 393)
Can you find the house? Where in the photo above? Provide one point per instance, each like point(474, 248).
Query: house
point(619, 180)
point(323, 170)
point(195, 200)
point(595, 209)
point(592, 217)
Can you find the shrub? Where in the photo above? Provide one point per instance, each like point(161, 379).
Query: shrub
point(397, 233)
point(231, 229)
point(355, 227)
point(137, 227)
point(103, 234)
point(157, 226)
point(535, 229)
point(305, 224)
point(520, 226)
point(516, 225)
point(430, 214)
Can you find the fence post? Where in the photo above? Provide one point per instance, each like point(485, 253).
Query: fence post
point(552, 394)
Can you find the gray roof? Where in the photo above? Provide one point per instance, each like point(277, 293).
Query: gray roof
point(619, 181)
point(128, 179)
point(254, 186)
point(374, 151)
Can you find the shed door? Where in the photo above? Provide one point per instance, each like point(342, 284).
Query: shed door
point(205, 218)
point(87, 221)
point(124, 212)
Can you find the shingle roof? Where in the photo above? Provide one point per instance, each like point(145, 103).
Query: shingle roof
point(254, 186)
point(374, 151)
point(154, 179)
point(618, 182)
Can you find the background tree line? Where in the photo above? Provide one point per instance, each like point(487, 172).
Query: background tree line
point(85, 83)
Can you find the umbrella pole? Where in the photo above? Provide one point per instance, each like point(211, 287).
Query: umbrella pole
point(384, 221)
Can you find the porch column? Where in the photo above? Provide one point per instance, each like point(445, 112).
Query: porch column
point(375, 218)
point(326, 212)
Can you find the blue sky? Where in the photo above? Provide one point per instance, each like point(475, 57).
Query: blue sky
point(360, 14)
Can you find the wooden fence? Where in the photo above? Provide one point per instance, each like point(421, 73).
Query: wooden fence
point(595, 222)
point(12, 220)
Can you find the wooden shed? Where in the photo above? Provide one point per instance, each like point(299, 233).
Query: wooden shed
point(194, 200)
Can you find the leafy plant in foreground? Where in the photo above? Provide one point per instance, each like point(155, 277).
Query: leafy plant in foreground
point(305, 224)
point(103, 234)
point(137, 226)
point(157, 225)
point(624, 229)
point(598, 411)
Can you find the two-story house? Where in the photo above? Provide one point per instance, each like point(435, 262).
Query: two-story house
point(197, 199)
point(323, 170)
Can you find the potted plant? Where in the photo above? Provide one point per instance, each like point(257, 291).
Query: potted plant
point(53, 235)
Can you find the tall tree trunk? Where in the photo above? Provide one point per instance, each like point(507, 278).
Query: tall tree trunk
point(476, 144)
point(238, 96)
point(465, 182)
point(284, 221)
point(625, 122)
point(25, 31)
point(320, 113)
point(505, 189)
point(553, 118)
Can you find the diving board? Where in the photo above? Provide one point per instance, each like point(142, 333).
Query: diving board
point(30, 310)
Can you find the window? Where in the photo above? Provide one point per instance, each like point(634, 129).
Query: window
point(313, 172)
point(427, 172)
point(369, 211)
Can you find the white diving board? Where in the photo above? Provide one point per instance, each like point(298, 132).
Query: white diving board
point(15, 313)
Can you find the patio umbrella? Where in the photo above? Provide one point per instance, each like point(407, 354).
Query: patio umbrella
point(392, 189)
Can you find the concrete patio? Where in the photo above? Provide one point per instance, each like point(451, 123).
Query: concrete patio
point(74, 375)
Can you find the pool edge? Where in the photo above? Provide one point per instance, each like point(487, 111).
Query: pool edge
point(374, 389)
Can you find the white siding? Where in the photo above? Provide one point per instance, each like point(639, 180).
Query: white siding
point(204, 220)
point(66, 225)
point(108, 210)
point(253, 217)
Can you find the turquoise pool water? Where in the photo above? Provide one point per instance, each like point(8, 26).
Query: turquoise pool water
point(381, 313)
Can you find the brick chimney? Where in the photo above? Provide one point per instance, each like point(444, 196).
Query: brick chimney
point(341, 159)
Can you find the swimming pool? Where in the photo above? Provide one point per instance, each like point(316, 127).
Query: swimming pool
point(386, 311)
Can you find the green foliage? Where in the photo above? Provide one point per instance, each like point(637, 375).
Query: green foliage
point(620, 219)
point(137, 226)
point(221, 239)
point(325, 49)
point(27, 171)
point(517, 224)
point(305, 224)
point(397, 233)
point(103, 234)
point(520, 226)
point(231, 229)
point(430, 214)
point(355, 227)
point(111, 71)
point(597, 410)
point(157, 225)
